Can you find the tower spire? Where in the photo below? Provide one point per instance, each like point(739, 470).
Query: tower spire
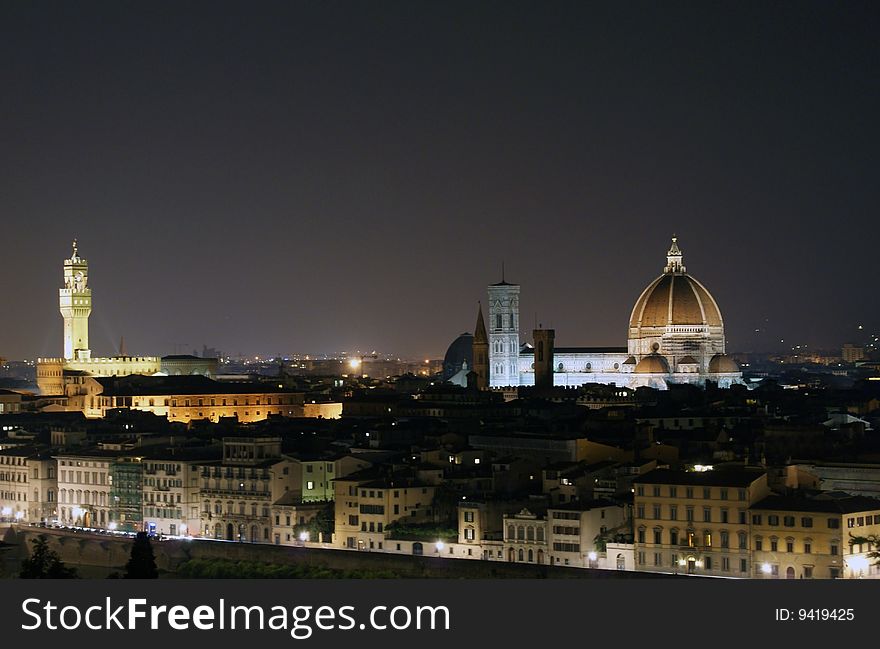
point(674, 258)
point(75, 253)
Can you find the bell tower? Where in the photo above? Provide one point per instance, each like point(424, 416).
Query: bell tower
point(75, 301)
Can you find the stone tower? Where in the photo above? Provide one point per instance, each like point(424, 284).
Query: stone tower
point(75, 301)
point(481, 351)
point(503, 334)
point(544, 340)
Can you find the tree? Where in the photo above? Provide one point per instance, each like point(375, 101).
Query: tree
point(872, 543)
point(142, 563)
point(45, 563)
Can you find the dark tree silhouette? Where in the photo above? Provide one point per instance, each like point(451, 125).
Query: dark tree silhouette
point(45, 563)
point(142, 563)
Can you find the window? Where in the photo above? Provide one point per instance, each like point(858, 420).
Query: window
point(743, 540)
point(310, 484)
point(759, 544)
point(808, 547)
point(707, 493)
point(725, 540)
point(834, 549)
point(673, 492)
point(806, 521)
point(723, 515)
point(773, 520)
point(658, 537)
point(658, 558)
point(657, 512)
point(774, 545)
point(789, 545)
point(833, 523)
point(808, 572)
point(656, 491)
point(468, 517)
point(673, 512)
point(756, 519)
point(743, 565)
point(707, 514)
point(690, 514)
point(788, 521)
point(640, 511)
point(707, 562)
point(741, 515)
point(725, 564)
point(640, 490)
point(689, 492)
point(641, 535)
point(673, 537)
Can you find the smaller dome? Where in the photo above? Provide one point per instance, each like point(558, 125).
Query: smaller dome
point(688, 360)
point(722, 364)
point(652, 364)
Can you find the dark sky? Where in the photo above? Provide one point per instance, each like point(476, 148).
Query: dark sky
point(316, 176)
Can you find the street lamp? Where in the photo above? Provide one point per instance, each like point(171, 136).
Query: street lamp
point(439, 546)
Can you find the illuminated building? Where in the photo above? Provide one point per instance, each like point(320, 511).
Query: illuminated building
point(28, 486)
point(696, 522)
point(675, 335)
point(184, 398)
point(368, 501)
point(75, 303)
point(794, 537)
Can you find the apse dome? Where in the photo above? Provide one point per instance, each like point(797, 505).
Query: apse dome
point(722, 364)
point(652, 364)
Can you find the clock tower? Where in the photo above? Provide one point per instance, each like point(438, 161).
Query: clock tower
point(75, 301)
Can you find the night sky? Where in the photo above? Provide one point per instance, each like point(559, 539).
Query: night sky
point(271, 178)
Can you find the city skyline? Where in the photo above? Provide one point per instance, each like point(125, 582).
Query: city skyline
point(354, 176)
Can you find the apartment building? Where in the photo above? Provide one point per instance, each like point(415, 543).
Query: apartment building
point(28, 485)
point(368, 501)
point(799, 537)
point(577, 532)
point(696, 522)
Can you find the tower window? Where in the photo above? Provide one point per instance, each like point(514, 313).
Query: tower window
point(498, 321)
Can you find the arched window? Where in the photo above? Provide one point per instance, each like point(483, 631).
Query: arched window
point(511, 532)
point(520, 554)
point(530, 533)
point(520, 533)
point(742, 538)
point(531, 557)
point(540, 535)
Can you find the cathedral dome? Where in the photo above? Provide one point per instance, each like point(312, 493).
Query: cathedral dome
point(675, 299)
point(722, 364)
point(461, 351)
point(652, 364)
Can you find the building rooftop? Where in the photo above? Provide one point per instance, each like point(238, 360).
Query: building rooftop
point(136, 385)
point(822, 503)
point(718, 478)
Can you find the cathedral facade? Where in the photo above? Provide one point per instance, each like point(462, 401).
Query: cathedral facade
point(675, 335)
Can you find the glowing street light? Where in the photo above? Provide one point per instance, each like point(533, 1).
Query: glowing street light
point(304, 536)
point(765, 568)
